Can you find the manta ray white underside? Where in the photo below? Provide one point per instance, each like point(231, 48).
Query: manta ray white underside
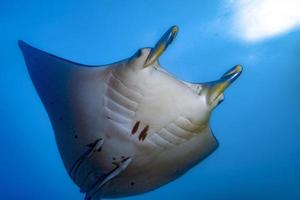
point(129, 127)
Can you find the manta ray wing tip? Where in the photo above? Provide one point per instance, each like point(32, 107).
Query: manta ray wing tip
point(25, 47)
point(22, 44)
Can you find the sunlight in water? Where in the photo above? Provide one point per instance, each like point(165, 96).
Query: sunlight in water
point(255, 20)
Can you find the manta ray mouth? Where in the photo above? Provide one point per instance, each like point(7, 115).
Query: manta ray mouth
point(215, 88)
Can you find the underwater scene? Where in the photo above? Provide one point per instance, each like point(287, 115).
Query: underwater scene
point(140, 100)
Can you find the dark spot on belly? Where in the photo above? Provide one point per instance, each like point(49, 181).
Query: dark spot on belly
point(107, 117)
point(114, 158)
point(132, 183)
point(143, 133)
point(76, 136)
point(135, 127)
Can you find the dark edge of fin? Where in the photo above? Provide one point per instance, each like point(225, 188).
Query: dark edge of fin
point(25, 47)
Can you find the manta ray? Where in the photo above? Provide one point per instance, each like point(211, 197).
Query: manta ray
point(129, 127)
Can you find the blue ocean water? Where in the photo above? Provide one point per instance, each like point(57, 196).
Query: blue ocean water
point(257, 125)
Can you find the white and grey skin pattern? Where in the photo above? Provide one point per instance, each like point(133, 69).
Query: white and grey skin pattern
point(128, 127)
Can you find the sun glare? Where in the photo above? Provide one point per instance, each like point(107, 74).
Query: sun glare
point(261, 19)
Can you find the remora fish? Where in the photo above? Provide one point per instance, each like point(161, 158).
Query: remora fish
point(128, 127)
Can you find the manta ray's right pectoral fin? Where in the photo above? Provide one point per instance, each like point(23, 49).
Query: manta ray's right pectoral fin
point(120, 167)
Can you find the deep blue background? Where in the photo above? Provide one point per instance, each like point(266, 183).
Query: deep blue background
point(257, 125)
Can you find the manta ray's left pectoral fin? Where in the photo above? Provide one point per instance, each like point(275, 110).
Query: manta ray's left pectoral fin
point(120, 167)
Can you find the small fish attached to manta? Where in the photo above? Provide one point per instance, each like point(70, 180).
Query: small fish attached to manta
point(129, 127)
